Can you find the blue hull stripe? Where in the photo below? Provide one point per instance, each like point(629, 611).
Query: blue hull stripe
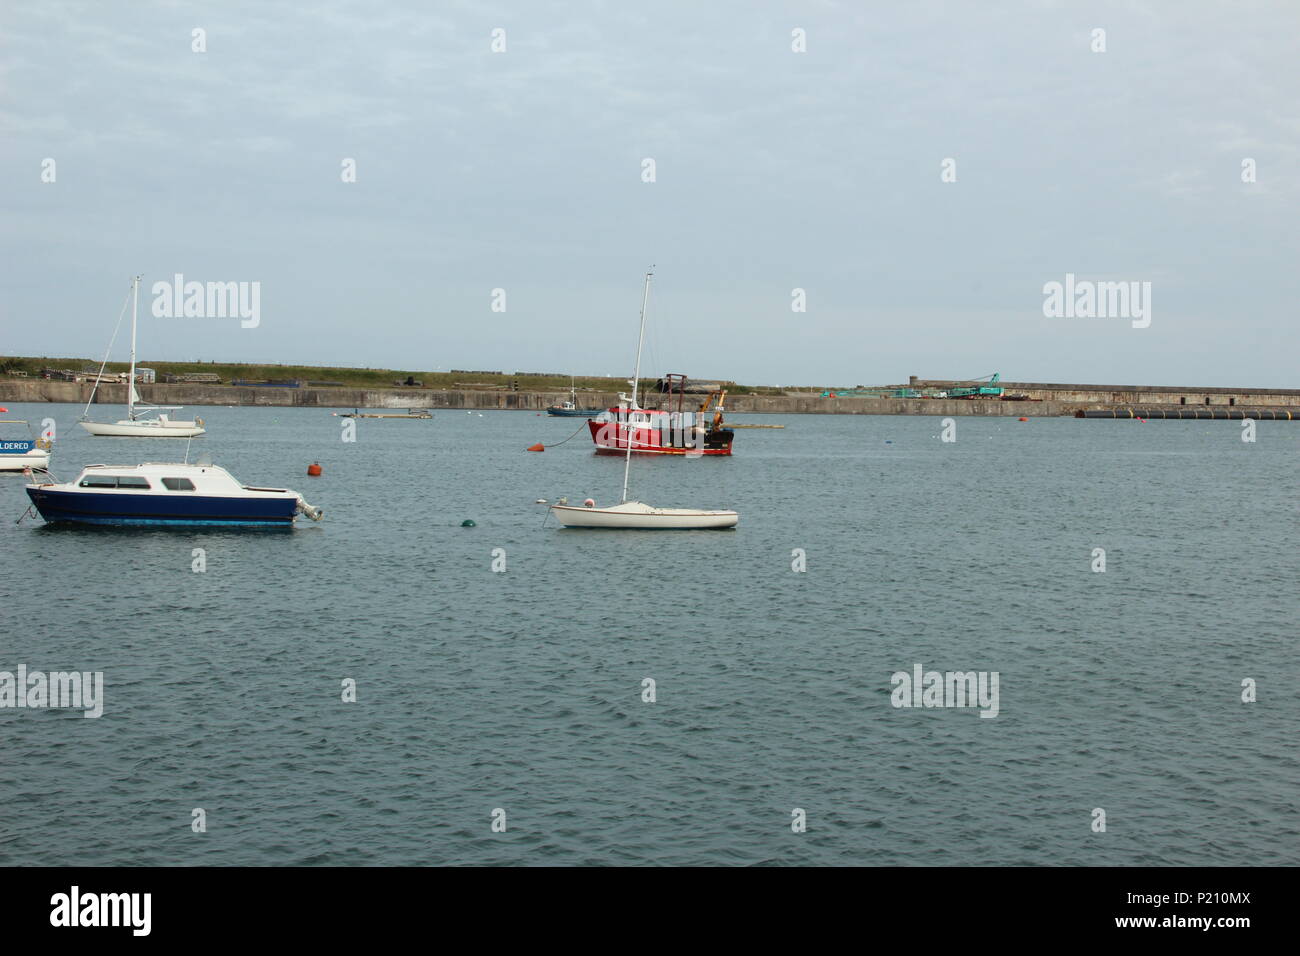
point(179, 508)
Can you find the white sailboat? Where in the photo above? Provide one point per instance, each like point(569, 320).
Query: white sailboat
point(637, 514)
point(138, 423)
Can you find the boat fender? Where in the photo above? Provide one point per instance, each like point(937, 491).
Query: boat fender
point(589, 503)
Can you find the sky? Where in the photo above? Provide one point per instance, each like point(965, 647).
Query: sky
point(921, 171)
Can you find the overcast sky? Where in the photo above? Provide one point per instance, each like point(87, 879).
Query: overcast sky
point(774, 170)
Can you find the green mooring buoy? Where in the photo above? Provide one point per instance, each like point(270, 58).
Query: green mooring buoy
point(468, 523)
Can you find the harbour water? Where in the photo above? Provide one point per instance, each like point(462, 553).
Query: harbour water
point(522, 690)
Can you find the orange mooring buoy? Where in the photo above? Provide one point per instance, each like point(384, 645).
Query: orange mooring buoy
point(1023, 419)
point(314, 469)
point(538, 447)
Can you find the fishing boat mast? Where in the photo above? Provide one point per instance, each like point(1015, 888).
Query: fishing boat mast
point(636, 377)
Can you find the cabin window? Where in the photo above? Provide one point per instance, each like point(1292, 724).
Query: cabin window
point(178, 484)
point(132, 481)
point(99, 481)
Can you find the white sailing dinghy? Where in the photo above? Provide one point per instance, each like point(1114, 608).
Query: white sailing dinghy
point(637, 514)
point(138, 423)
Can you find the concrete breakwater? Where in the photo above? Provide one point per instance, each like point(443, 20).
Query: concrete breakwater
point(1194, 413)
point(1050, 400)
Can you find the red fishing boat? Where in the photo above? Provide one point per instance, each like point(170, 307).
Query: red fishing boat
point(670, 429)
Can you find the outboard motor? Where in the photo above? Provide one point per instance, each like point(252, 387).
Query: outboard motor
point(311, 511)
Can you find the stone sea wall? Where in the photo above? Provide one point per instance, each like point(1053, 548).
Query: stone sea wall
point(1059, 400)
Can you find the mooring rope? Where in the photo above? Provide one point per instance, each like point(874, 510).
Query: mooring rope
point(547, 517)
point(559, 443)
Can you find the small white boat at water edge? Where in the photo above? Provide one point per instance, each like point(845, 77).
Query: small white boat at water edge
point(637, 514)
point(18, 454)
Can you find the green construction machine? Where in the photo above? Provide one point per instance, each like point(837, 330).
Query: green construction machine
point(984, 386)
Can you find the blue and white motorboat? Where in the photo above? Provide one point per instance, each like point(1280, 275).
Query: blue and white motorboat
point(20, 454)
point(571, 408)
point(157, 493)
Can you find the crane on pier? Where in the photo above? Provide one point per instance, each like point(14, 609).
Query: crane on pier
point(985, 385)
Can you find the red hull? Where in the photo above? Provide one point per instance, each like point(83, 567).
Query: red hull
point(658, 437)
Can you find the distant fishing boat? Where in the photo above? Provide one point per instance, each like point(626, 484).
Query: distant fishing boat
point(663, 431)
point(638, 515)
point(571, 409)
point(137, 423)
point(19, 454)
point(157, 493)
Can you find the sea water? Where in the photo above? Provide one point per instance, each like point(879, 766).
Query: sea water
point(526, 694)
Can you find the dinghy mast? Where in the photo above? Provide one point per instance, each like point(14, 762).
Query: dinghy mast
point(636, 377)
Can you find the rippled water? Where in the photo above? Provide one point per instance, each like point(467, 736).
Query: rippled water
point(523, 690)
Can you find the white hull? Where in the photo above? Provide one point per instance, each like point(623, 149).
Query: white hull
point(143, 429)
point(36, 460)
point(636, 515)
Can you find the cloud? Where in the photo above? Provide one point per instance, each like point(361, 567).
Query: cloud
point(775, 169)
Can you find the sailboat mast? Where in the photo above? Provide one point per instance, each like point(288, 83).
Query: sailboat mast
point(636, 377)
point(130, 381)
